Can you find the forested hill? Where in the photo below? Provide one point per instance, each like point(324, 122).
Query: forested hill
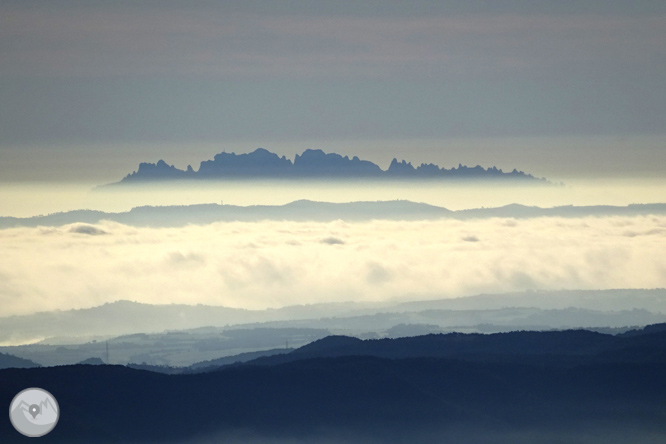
point(365, 398)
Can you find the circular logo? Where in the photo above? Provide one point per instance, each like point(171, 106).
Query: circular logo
point(34, 412)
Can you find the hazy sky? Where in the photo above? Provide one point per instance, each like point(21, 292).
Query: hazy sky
point(89, 89)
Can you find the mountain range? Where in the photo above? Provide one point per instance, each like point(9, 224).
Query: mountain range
point(536, 309)
point(263, 164)
point(305, 210)
point(180, 335)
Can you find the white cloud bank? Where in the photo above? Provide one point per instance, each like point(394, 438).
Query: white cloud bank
point(272, 263)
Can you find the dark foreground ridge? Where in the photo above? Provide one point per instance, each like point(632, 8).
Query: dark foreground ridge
point(316, 164)
point(607, 389)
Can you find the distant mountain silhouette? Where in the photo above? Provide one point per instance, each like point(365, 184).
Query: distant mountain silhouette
point(9, 361)
point(306, 210)
point(126, 317)
point(259, 163)
point(210, 365)
point(647, 330)
point(647, 344)
point(488, 313)
point(264, 164)
point(117, 318)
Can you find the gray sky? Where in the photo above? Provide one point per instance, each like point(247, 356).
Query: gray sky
point(89, 89)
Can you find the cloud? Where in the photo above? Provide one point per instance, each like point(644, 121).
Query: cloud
point(178, 259)
point(278, 263)
point(332, 241)
point(378, 274)
point(90, 230)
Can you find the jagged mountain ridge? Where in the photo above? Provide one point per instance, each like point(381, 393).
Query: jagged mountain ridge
point(312, 163)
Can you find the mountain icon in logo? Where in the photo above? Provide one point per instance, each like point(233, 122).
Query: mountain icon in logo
point(34, 412)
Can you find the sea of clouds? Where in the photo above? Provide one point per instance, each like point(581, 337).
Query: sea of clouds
point(278, 263)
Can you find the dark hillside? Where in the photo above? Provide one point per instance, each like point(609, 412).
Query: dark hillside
point(421, 389)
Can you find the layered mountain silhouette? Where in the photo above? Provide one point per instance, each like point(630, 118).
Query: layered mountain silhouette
point(264, 164)
point(519, 388)
point(306, 210)
point(534, 310)
point(10, 361)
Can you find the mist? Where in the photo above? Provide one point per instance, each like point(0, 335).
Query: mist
point(265, 264)
point(31, 199)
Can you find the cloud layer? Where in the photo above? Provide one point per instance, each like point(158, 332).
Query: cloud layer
point(277, 263)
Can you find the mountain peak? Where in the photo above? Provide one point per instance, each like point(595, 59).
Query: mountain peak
point(402, 167)
point(262, 163)
point(329, 343)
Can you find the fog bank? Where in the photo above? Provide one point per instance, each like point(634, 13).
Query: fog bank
point(274, 263)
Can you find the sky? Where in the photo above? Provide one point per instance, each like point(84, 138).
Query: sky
point(568, 88)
